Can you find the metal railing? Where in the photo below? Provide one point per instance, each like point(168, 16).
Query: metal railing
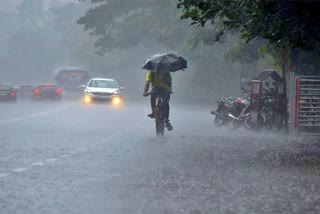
point(307, 103)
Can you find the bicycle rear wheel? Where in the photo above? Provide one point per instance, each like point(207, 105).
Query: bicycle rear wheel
point(159, 122)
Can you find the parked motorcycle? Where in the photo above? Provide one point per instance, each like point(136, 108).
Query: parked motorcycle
point(240, 108)
point(229, 110)
point(221, 113)
point(239, 111)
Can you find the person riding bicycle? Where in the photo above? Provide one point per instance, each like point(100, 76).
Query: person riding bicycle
point(161, 83)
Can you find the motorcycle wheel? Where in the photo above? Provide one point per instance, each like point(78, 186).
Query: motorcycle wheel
point(218, 121)
point(236, 124)
point(249, 125)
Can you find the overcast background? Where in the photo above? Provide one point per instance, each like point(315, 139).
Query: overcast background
point(40, 36)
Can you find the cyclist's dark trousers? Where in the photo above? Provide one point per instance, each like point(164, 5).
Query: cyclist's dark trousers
point(165, 100)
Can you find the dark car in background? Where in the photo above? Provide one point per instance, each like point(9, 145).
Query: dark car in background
point(47, 91)
point(72, 78)
point(25, 92)
point(8, 92)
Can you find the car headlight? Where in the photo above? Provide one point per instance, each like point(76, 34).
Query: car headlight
point(116, 101)
point(87, 99)
point(116, 93)
point(87, 91)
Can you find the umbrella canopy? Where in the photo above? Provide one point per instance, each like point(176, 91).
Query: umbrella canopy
point(167, 62)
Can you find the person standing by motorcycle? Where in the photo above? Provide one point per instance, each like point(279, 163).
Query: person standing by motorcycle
point(161, 83)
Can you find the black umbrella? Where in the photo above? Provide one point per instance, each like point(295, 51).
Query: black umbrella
point(167, 62)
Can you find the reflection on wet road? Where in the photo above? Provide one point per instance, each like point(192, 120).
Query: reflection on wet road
point(69, 158)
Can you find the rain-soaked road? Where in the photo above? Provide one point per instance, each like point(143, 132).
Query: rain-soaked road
point(69, 158)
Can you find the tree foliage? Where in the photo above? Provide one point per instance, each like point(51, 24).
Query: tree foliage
point(42, 36)
point(121, 24)
point(290, 24)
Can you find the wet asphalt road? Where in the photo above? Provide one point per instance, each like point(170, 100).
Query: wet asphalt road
point(69, 158)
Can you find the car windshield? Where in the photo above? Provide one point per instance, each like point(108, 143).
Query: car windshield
point(103, 84)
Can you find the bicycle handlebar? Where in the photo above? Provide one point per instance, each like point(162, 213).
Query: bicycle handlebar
point(151, 93)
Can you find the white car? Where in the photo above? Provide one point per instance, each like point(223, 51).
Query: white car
point(101, 89)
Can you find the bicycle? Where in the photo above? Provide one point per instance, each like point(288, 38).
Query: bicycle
point(159, 114)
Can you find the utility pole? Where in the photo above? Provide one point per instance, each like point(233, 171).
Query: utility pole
point(285, 62)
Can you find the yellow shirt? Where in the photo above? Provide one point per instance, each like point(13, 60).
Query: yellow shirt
point(161, 79)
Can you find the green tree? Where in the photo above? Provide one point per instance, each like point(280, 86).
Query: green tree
point(121, 24)
point(45, 37)
point(287, 24)
point(289, 28)
point(30, 47)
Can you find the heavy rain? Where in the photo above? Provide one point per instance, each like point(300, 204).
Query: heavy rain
point(159, 106)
